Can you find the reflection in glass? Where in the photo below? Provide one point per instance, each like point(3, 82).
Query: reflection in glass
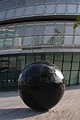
point(58, 61)
point(68, 40)
point(37, 41)
point(2, 15)
point(48, 40)
point(77, 40)
point(19, 31)
point(39, 9)
point(29, 10)
point(2, 33)
point(29, 30)
point(71, 8)
point(39, 30)
point(30, 59)
point(61, 8)
point(69, 30)
point(10, 13)
point(78, 8)
point(59, 29)
point(49, 30)
point(20, 63)
point(59, 40)
point(50, 9)
point(66, 74)
point(74, 77)
point(17, 41)
point(21, 2)
point(1, 43)
point(27, 41)
point(49, 57)
point(8, 42)
point(62, 1)
point(19, 12)
point(77, 31)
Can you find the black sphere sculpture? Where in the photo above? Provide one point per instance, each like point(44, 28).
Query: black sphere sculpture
point(41, 85)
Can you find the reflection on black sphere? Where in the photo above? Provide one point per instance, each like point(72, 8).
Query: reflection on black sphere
point(41, 85)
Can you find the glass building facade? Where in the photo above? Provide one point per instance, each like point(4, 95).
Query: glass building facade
point(38, 30)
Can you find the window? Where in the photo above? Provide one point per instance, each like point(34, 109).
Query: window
point(8, 42)
point(39, 30)
point(19, 31)
point(62, 1)
point(58, 40)
point(48, 40)
point(39, 9)
point(1, 43)
point(30, 2)
point(50, 1)
point(29, 30)
point(10, 13)
point(71, 8)
point(41, 1)
point(61, 8)
point(77, 40)
point(49, 30)
point(59, 29)
point(17, 41)
point(27, 41)
point(50, 9)
point(69, 30)
point(11, 3)
point(2, 15)
point(21, 2)
point(9, 33)
point(29, 10)
point(68, 40)
point(37, 41)
point(78, 8)
point(19, 12)
point(77, 31)
point(3, 5)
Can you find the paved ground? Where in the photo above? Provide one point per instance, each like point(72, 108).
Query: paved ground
point(12, 107)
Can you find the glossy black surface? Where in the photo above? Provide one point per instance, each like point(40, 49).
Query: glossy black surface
point(41, 85)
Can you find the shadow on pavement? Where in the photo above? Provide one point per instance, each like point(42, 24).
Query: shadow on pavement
point(18, 113)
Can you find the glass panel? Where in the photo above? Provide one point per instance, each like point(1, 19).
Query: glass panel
point(20, 63)
point(30, 59)
point(77, 40)
point(61, 8)
point(38, 57)
point(31, 2)
point(12, 3)
point(59, 29)
point(49, 58)
point(67, 62)
point(69, 30)
point(2, 33)
point(78, 8)
point(2, 15)
point(68, 40)
point(8, 42)
point(48, 40)
point(17, 41)
point(76, 58)
point(1, 43)
point(77, 31)
point(19, 31)
point(3, 5)
point(71, 8)
point(37, 40)
point(9, 33)
point(58, 61)
point(49, 30)
point(50, 9)
point(11, 65)
point(39, 9)
point(41, 1)
point(19, 12)
point(66, 75)
point(75, 66)
point(58, 40)
point(74, 77)
point(29, 10)
point(29, 30)
point(10, 13)
point(21, 2)
point(62, 1)
point(39, 30)
point(27, 41)
point(75, 63)
point(50, 1)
